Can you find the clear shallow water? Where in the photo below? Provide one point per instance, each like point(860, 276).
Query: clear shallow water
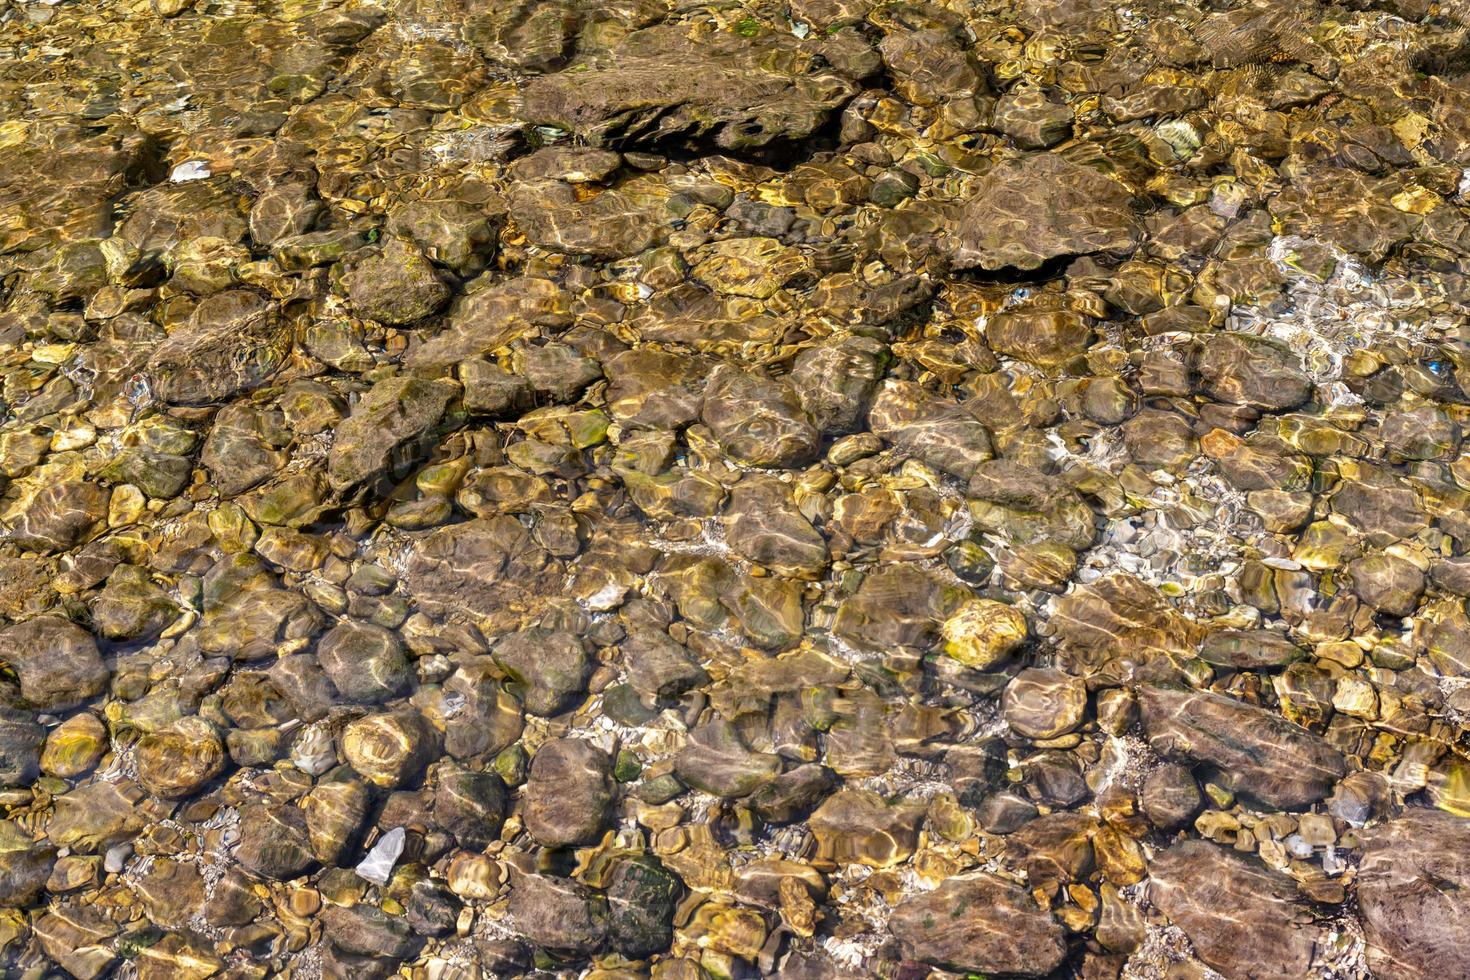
point(834, 489)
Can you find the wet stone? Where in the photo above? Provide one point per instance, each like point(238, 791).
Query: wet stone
point(1040, 207)
point(568, 793)
point(365, 662)
point(1044, 702)
point(57, 662)
point(980, 924)
point(1257, 751)
point(1216, 895)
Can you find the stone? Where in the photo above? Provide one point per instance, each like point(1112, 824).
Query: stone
point(395, 284)
point(980, 924)
point(1255, 371)
point(364, 661)
point(1035, 208)
point(568, 794)
point(1249, 649)
point(1218, 896)
point(61, 515)
point(1412, 894)
point(388, 423)
point(559, 914)
point(642, 896)
point(390, 749)
point(1170, 796)
point(929, 427)
point(57, 662)
point(273, 841)
point(746, 92)
point(658, 667)
point(757, 420)
point(547, 669)
point(983, 632)
point(179, 760)
point(856, 826)
point(715, 761)
point(368, 931)
point(1255, 751)
point(1043, 702)
point(234, 341)
point(764, 525)
point(24, 866)
point(470, 805)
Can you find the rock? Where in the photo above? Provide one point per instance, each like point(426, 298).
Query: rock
point(742, 93)
point(131, 606)
point(764, 525)
point(930, 427)
point(336, 811)
point(368, 931)
point(757, 420)
point(1042, 332)
point(1043, 702)
point(1412, 894)
point(75, 746)
point(1247, 370)
point(247, 618)
point(793, 794)
point(1218, 896)
point(558, 913)
point(244, 448)
point(856, 826)
point(983, 633)
point(365, 662)
point(1256, 751)
point(19, 747)
point(234, 341)
point(1249, 649)
point(715, 761)
point(470, 805)
point(898, 605)
point(980, 924)
point(282, 212)
point(1032, 120)
point(568, 794)
point(387, 424)
point(390, 749)
point(61, 516)
point(609, 225)
point(24, 866)
point(641, 898)
point(548, 669)
point(1170, 797)
point(480, 566)
point(450, 232)
point(273, 841)
point(394, 284)
point(159, 475)
point(491, 314)
point(57, 662)
point(836, 382)
point(1389, 584)
point(179, 760)
point(658, 667)
point(1030, 210)
point(77, 938)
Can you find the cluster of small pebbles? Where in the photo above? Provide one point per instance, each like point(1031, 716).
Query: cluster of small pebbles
point(815, 489)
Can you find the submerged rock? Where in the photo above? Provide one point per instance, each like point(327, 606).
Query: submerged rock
point(980, 924)
point(1253, 750)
